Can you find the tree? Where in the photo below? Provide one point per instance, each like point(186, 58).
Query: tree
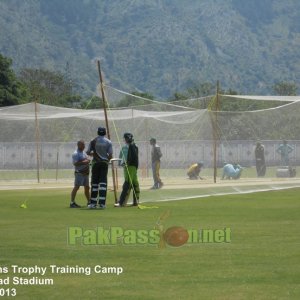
point(140, 99)
point(198, 92)
point(201, 90)
point(50, 88)
point(178, 97)
point(284, 88)
point(12, 91)
point(93, 102)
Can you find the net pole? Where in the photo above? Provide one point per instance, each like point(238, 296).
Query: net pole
point(37, 141)
point(147, 148)
point(132, 120)
point(215, 132)
point(57, 160)
point(104, 102)
point(117, 180)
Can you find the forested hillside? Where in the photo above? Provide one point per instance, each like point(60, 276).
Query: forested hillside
point(156, 46)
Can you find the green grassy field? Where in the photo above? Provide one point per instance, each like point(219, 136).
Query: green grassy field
point(260, 262)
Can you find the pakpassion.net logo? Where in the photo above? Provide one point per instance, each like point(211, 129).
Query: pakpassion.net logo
point(174, 236)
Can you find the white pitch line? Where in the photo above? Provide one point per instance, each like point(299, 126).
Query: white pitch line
point(222, 194)
point(12, 188)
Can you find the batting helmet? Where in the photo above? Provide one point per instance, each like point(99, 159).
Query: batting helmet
point(101, 131)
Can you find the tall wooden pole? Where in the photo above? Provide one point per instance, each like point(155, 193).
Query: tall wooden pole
point(147, 147)
point(37, 141)
point(57, 160)
point(215, 132)
point(104, 102)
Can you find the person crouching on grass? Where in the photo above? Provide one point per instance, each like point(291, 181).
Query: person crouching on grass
point(82, 169)
point(130, 173)
point(232, 171)
point(194, 171)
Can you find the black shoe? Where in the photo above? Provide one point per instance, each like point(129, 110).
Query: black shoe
point(74, 205)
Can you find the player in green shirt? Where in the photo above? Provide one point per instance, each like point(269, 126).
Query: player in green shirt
point(130, 172)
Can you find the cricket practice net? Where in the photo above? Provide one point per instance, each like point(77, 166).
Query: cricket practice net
point(38, 140)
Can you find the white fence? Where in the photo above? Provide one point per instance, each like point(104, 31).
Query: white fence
point(176, 154)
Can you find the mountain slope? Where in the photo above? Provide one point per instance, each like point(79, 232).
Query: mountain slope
point(158, 46)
